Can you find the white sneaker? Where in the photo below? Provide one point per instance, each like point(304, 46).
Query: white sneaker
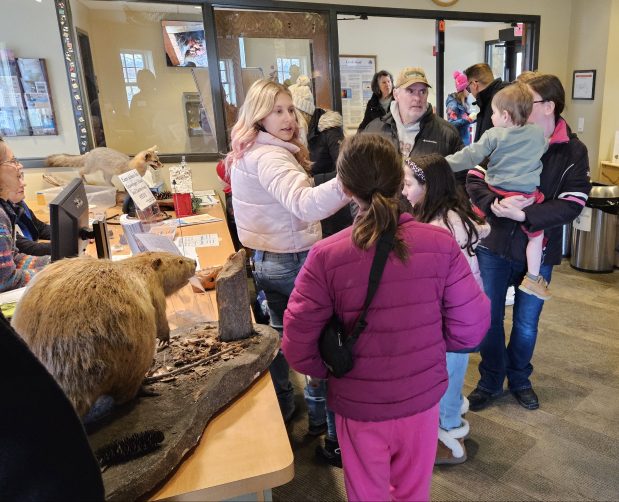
point(464, 407)
point(509, 297)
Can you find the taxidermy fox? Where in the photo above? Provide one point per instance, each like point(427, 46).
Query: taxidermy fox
point(111, 162)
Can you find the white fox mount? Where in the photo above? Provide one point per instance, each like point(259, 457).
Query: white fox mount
point(110, 162)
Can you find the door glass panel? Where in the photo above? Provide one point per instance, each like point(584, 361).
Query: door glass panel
point(278, 45)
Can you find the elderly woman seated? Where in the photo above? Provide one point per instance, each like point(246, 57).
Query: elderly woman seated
point(16, 268)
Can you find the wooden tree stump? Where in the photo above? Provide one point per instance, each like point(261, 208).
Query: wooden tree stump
point(233, 302)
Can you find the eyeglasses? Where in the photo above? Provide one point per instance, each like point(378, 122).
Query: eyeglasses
point(11, 162)
point(468, 87)
point(540, 101)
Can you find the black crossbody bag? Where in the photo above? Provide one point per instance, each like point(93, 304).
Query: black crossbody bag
point(334, 345)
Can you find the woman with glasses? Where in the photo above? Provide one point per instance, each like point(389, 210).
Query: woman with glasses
point(16, 268)
point(564, 182)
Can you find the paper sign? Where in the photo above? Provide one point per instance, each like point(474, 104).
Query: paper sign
point(137, 189)
point(207, 197)
point(195, 219)
point(583, 221)
point(198, 241)
point(180, 179)
point(155, 242)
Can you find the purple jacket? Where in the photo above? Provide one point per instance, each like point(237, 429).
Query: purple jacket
point(421, 308)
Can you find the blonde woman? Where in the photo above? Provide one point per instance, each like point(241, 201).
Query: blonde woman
point(276, 207)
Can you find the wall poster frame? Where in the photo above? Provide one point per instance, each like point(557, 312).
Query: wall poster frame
point(356, 73)
point(583, 84)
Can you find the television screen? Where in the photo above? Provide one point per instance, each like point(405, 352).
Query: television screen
point(184, 43)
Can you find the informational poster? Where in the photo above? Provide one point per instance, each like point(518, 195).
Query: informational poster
point(13, 117)
point(37, 98)
point(25, 100)
point(356, 73)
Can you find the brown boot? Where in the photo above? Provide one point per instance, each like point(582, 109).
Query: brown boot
point(537, 287)
point(449, 450)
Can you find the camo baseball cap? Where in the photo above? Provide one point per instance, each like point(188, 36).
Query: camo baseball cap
point(411, 75)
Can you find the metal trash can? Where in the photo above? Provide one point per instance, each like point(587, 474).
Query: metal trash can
point(594, 231)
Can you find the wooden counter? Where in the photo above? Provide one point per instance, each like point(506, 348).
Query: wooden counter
point(245, 447)
point(609, 173)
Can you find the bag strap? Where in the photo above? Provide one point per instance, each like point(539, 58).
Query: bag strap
point(383, 248)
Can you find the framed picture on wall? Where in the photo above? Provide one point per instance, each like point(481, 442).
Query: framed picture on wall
point(583, 84)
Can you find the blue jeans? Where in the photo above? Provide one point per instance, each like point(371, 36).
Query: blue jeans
point(275, 274)
point(451, 402)
point(513, 361)
point(315, 393)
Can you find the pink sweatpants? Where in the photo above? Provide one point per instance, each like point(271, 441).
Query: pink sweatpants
point(390, 460)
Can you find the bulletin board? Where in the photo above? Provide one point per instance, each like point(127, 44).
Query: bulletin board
point(356, 73)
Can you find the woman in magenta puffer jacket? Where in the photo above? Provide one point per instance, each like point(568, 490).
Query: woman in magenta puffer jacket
point(427, 302)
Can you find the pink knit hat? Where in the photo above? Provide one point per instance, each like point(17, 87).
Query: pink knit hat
point(461, 81)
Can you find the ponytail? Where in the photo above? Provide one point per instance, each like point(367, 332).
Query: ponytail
point(370, 168)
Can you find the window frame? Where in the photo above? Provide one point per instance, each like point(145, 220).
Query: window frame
point(530, 52)
point(147, 60)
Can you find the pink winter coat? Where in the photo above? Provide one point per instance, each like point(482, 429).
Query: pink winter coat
point(276, 206)
point(422, 308)
point(459, 233)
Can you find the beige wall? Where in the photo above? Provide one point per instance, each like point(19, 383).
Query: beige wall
point(610, 113)
point(555, 25)
point(589, 32)
point(30, 29)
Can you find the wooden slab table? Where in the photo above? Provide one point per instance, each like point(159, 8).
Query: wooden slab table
point(245, 447)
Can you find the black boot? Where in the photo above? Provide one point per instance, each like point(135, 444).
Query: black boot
point(330, 453)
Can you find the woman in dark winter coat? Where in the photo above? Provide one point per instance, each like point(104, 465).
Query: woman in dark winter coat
point(564, 181)
point(382, 94)
point(324, 135)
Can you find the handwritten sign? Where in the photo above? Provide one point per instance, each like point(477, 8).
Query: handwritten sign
point(138, 189)
point(180, 179)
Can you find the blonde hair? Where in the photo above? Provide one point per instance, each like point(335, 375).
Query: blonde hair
point(259, 102)
point(516, 99)
point(527, 75)
point(371, 169)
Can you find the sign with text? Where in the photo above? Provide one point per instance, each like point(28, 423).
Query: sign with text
point(356, 73)
point(137, 189)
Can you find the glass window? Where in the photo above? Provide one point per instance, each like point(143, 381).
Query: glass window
point(150, 75)
point(269, 44)
point(132, 62)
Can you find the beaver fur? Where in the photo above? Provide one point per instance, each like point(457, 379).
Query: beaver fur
point(93, 323)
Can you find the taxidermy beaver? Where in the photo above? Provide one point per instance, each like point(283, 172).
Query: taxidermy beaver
point(93, 323)
point(111, 162)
